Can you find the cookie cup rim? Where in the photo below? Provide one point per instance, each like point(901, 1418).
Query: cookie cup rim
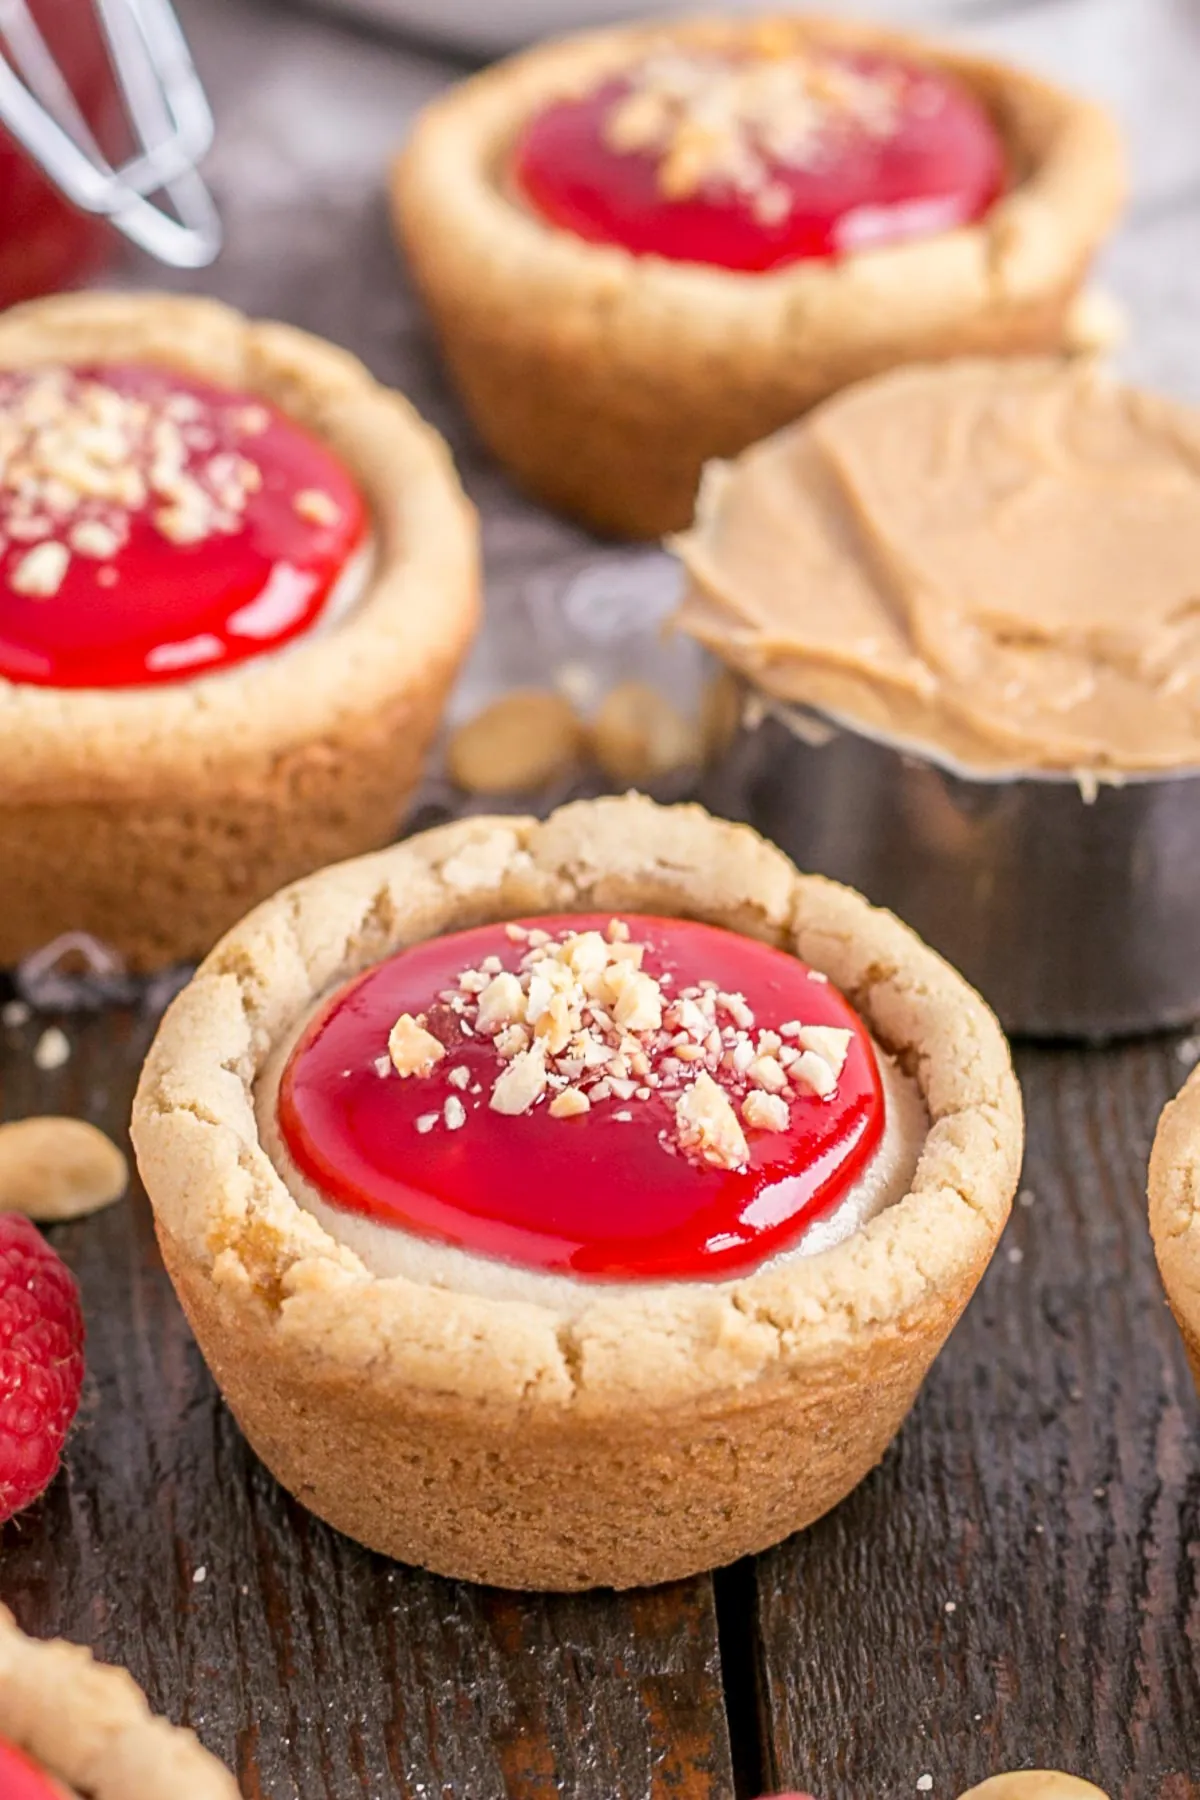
point(415, 616)
point(1032, 243)
point(88, 1724)
point(1174, 1208)
point(229, 1215)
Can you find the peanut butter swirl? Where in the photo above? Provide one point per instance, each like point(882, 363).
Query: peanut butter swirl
point(996, 561)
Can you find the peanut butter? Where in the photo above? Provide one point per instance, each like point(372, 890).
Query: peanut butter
point(998, 562)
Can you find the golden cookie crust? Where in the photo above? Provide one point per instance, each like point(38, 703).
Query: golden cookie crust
point(1034, 1784)
point(605, 381)
point(1175, 1211)
point(88, 1725)
point(647, 1437)
point(153, 817)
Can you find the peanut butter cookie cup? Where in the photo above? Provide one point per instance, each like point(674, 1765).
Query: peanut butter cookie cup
point(580, 1203)
point(237, 578)
point(71, 1728)
point(650, 246)
point(1174, 1214)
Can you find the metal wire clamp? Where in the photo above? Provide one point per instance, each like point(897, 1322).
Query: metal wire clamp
point(169, 120)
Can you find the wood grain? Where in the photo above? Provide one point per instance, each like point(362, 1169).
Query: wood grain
point(315, 1669)
point(1047, 1490)
point(1017, 1584)
point(1048, 1485)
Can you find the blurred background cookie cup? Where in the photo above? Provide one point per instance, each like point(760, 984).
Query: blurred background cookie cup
point(603, 359)
point(148, 813)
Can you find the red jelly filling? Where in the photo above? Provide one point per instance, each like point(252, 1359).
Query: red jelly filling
point(21, 1779)
point(154, 527)
point(751, 163)
point(613, 1192)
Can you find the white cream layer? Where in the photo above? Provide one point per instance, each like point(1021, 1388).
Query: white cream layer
point(269, 613)
point(343, 598)
point(388, 1250)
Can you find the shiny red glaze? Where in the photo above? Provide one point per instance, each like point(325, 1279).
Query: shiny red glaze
point(941, 166)
point(180, 610)
point(591, 1195)
point(45, 242)
point(21, 1779)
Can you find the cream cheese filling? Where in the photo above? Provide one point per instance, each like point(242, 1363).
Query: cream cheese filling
point(347, 592)
point(389, 1251)
point(261, 618)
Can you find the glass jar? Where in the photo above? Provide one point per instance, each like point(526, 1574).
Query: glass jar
point(101, 114)
point(45, 242)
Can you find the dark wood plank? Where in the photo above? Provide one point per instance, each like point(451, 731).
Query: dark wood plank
point(1017, 1585)
point(313, 1667)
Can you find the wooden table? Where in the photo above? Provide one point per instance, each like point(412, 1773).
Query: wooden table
point(1019, 1583)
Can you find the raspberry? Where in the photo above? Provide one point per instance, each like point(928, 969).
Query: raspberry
point(41, 1361)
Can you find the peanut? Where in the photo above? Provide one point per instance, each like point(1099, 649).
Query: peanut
point(638, 736)
point(519, 743)
point(1035, 1784)
point(54, 1168)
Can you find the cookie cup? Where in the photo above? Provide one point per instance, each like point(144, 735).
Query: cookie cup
point(647, 1435)
point(604, 380)
point(153, 817)
point(87, 1724)
point(1175, 1212)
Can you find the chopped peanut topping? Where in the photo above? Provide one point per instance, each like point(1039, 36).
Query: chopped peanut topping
point(738, 120)
point(317, 507)
point(83, 454)
point(826, 1041)
point(511, 1041)
point(500, 1003)
point(91, 538)
point(707, 1123)
point(636, 998)
point(186, 522)
point(766, 1073)
point(765, 1112)
point(413, 1050)
point(569, 1104)
point(78, 458)
point(521, 1083)
point(253, 420)
point(41, 572)
point(581, 1021)
point(810, 1072)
